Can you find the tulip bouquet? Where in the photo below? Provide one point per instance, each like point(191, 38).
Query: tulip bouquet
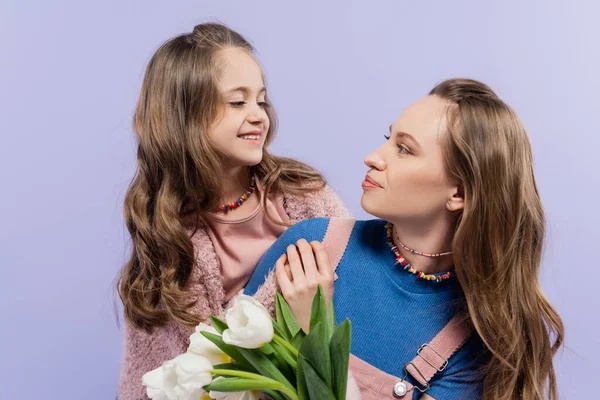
point(251, 354)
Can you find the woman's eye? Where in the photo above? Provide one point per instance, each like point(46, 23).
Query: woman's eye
point(403, 150)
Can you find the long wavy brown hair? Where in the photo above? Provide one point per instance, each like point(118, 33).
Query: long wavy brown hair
point(179, 173)
point(499, 240)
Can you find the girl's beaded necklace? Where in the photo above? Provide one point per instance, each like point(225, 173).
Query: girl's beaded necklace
point(235, 204)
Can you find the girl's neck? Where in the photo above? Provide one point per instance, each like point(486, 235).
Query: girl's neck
point(235, 184)
point(428, 237)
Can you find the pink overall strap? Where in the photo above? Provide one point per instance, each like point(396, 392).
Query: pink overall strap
point(336, 239)
point(433, 357)
point(374, 384)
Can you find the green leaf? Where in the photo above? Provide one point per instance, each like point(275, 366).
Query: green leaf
point(233, 366)
point(285, 355)
point(340, 356)
point(280, 330)
point(314, 350)
point(264, 366)
point(280, 319)
point(298, 339)
point(317, 388)
point(267, 349)
point(288, 317)
point(219, 325)
point(280, 362)
point(318, 312)
point(261, 382)
point(284, 363)
point(228, 349)
point(331, 320)
point(301, 379)
point(241, 385)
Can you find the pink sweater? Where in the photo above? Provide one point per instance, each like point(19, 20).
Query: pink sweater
point(147, 351)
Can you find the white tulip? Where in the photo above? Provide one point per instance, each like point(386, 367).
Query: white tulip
point(154, 382)
point(185, 376)
point(250, 325)
point(204, 347)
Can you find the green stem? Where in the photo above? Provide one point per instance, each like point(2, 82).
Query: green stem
point(241, 374)
point(285, 344)
point(289, 393)
point(287, 357)
point(249, 375)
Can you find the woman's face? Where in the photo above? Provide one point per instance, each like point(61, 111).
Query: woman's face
point(241, 129)
point(407, 177)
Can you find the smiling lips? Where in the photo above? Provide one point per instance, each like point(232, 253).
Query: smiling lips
point(252, 136)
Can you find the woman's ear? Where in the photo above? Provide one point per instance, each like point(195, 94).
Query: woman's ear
point(457, 201)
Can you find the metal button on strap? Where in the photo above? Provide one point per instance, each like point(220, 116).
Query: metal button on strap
point(400, 389)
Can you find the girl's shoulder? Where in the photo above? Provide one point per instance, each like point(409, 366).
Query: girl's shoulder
point(323, 202)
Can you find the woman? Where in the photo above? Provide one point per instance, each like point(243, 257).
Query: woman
point(450, 269)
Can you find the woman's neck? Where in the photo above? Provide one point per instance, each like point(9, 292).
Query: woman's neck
point(428, 237)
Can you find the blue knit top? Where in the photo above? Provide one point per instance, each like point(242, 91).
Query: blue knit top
point(392, 312)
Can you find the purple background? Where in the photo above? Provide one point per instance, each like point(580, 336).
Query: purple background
point(339, 74)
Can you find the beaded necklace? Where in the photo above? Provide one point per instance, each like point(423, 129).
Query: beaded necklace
point(235, 204)
point(407, 267)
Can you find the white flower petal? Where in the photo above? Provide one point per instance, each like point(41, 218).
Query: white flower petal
point(185, 376)
point(235, 316)
point(204, 347)
point(153, 378)
point(250, 325)
point(249, 395)
point(153, 381)
point(206, 328)
point(242, 298)
point(169, 379)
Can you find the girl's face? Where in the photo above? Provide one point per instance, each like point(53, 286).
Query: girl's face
point(407, 177)
point(240, 131)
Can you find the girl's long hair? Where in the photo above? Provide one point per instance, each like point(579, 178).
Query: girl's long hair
point(179, 173)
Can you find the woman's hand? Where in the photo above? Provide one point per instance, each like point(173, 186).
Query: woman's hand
point(299, 273)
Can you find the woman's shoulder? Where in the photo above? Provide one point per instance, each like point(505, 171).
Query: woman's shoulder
point(309, 229)
point(316, 228)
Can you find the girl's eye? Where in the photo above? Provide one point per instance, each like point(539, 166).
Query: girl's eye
point(264, 104)
point(237, 104)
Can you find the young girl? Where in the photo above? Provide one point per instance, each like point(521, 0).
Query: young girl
point(208, 199)
point(449, 271)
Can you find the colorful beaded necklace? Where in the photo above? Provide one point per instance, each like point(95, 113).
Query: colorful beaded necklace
point(235, 204)
point(407, 267)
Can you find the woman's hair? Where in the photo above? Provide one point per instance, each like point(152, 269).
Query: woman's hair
point(499, 240)
point(179, 173)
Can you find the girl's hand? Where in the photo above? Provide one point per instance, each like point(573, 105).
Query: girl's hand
point(299, 273)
